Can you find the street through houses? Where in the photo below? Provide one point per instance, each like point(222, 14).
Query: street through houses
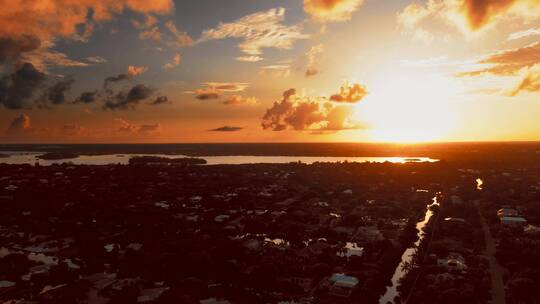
point(497, 284)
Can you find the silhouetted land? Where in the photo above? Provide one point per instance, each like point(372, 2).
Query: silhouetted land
point(148, 160)
point(265, 233)
point(58, 155)
point(4, 155)
point(513, 153)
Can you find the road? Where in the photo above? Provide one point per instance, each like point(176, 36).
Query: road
point(497, 283)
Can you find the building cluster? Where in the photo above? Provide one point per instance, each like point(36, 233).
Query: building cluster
point(511, 200)
point(206, 234)
point(260, 233)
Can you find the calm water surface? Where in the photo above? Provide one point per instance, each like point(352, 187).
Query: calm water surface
point(30, 158)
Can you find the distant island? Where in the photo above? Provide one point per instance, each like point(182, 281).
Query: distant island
point(4, 155)
point(58, 155)
point(150, 160)
point(412, 160)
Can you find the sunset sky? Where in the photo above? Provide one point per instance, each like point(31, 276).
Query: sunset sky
point(269, 71)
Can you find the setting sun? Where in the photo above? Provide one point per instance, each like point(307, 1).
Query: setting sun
point(409, 107)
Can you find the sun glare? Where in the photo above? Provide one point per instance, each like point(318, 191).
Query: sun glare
point(409, 107)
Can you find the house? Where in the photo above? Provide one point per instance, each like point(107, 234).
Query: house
point(342, 285)
point(532, 230)
point(349, 250)
point(513, 221)
point(507, 212)
point(453, 263)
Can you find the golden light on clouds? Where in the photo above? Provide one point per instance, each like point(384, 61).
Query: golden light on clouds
point(426, 69)
point(48, 18)
point(331, 10)
point(470, 17)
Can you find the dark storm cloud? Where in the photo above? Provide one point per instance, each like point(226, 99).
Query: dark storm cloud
point(87, 97)
point(207, 95)
point(20, 125)
point(130, 74)
point(56, 94)
point(118, 78)
point(160, 100)
point(11, 48)
point(227, 129)
point(18, 88)
point(129, 99)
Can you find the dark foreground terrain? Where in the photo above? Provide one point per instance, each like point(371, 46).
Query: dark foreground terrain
point(290, 233)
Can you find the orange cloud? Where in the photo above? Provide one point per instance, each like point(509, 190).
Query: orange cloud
point(175, 62)
point(135, 70)
point(236, 100)
point(530, 82)
point(481, 12)
point(151, 34)
point(350, 93)
point(27, 26)
point(467, 15)
point(49, 18)
point(331, 10)
point(308, 113)
point(20, 125)
point(507, 62)
point(227, 86)
point(127, 128)
point(180, 38)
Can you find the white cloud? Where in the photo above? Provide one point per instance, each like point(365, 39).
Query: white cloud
point(258, 31)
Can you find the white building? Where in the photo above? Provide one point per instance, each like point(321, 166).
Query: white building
point(342, 285)
point(351, 249)
point(507, 212)
point(513, 221)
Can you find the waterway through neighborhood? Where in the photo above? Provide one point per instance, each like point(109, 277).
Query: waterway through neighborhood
point(406, 258)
